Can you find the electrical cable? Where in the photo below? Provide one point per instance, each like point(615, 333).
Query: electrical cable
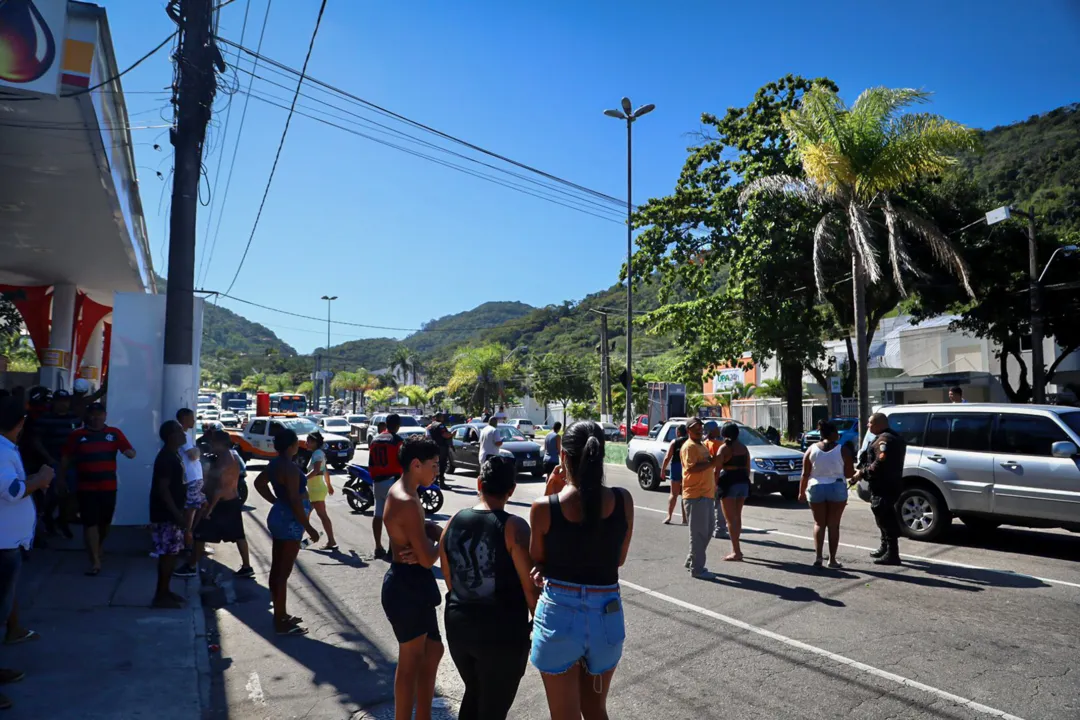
point(236, 148)
point(281, 144)
point(444, 163)
point(389, 113)
point(217, 172)
point(578, 197)
point(112, 79)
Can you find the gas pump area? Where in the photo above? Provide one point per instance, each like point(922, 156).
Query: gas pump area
point(74, 250)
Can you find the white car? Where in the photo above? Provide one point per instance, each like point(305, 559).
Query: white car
point(336, 425)
point(523, 426)
point(229, 419)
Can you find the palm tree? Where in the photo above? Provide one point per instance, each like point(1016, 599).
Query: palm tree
point(382, 397)
point(416, 395)
point(856, 161)
point(365, 383)
point(403, 360)
point(478, 373)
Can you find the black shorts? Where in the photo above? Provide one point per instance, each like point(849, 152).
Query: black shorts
point(96, 507)
point(549, 467)
point(225, 525)
point(409, 598)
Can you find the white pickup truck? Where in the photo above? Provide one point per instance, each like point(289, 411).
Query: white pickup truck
point(256, 440)
point(773, 468)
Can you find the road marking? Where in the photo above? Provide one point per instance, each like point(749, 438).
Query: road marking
point(868, 669)
point(254, 688)
point(936, 561)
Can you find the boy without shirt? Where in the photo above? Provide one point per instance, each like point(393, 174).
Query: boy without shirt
point(410, 593)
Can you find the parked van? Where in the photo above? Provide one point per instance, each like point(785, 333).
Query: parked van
point(989, 465)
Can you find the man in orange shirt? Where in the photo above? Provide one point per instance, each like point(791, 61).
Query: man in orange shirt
point(699, 493)
point(714, 443)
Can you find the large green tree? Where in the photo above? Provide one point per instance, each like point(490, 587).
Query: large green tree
point(701, 233)
point(856, 162)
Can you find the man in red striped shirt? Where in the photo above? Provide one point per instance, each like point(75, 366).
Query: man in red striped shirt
point(92, 450)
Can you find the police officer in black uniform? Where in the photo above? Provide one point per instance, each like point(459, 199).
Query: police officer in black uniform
point(882, 466)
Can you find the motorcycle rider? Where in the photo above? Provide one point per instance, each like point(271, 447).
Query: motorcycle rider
point(385, 469)
point(882, 466)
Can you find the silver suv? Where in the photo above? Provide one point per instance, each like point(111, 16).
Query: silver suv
point(989, 465)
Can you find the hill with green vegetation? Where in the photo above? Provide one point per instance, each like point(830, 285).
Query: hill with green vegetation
point(227, 332)
point(447, 332)
point(1035, 165)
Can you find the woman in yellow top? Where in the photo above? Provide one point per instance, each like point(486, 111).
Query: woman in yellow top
point(699, 491)
point(319, 486)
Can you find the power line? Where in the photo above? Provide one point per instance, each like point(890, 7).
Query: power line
point(236, 148)
point(375, 126)
point(453, 166)
point(281, 143)
point(225, 135)
point(390, 113)
point(112, 79)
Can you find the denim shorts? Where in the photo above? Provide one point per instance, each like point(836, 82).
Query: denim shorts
point(835, 491)
point(738, 490)
point(281, 522)
point(578, 623)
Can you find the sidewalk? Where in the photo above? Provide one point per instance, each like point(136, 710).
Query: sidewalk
point(103, 653)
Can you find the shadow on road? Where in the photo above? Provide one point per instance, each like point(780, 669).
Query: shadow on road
point(783, 592)
point(1018, 541)
point(358, 672)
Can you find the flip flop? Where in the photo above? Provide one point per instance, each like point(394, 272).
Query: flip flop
point(92, 572)
point(293, 619)
point(834, 565)
point(667, 522)
point(733, 558)
point(817, 562)
point(291, 630)
point(28, 635)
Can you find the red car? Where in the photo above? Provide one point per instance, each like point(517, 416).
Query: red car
point(640, 426)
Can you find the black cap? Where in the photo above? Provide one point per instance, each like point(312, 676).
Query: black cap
point(95, 407)
point(61, 395)
point(40, 394)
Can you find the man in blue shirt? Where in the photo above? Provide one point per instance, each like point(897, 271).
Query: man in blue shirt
point(17, 514)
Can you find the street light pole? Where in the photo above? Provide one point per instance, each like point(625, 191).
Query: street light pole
point(328, 299)
point(629, 116)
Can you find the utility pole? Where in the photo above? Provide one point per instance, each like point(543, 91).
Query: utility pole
point(1038, 372)
point(316, 384)
point(605, 370)
point(194, 98)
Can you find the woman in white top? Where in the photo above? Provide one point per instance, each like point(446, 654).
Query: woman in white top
point(826, 467)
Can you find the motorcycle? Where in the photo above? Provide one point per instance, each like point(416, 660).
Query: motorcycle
point(360, 492)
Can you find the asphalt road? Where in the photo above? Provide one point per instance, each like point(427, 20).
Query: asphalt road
point(978, 627)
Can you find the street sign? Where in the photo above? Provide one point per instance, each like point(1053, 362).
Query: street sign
point(996, 216)
point(834, 385)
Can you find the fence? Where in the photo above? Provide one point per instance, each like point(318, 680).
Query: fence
point(763, 412)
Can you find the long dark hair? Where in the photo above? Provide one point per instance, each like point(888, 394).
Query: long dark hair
point(583, 443)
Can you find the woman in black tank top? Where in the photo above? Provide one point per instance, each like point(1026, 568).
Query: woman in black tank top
point(734, 485)
point(484, 555)
point(580, 538)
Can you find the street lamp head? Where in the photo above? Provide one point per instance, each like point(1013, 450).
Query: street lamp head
point(1069, 249)
point(626, 106)
point(643, 110)
point(328, 297)
point(615, 114)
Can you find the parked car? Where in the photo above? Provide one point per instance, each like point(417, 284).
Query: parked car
point(640, 426)
point(849, 433)
point(256, 440)
point(773, 468)
point(465, 454)
point(229, 419)
point(989, 465)
point(337, 425)
point(612, 432)
point(524, 426)
point(409, 425)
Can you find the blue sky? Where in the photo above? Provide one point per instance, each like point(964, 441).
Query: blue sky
point(401, 240)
